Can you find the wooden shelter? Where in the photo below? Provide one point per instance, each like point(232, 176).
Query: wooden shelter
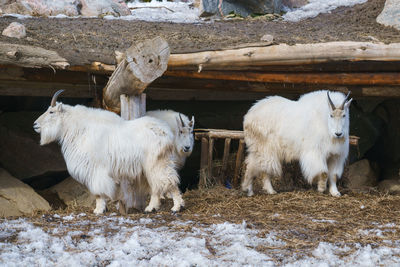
point(367, 69)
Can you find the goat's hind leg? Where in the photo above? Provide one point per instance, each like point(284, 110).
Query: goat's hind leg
point(322, 181)
point(247, 184)
point(267, 186)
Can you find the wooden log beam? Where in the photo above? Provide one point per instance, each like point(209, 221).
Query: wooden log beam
point(392, 78)
point(284, 54)
point(30, 56)
point(141, 64)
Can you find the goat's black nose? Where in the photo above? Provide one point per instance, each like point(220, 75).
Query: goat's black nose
point(338, 134)
point(186, 148)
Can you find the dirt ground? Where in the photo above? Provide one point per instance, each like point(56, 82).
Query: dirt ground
point(88, 40)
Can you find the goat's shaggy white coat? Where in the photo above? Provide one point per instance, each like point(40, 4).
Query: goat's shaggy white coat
point(183, 134)
point(279, 130)
point(111, 156)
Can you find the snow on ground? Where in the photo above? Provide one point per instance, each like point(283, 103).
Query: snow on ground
point(180, 12)
point(116, 241)
point(316, 7)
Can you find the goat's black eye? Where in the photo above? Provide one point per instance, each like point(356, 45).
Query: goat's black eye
point(344, 115)
point(331, 116)
point(51, 112)
point(180, 132)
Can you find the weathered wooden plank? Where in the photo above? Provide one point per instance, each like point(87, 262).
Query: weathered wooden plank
point(225, 159)
point(238, 163)
point(203, 162)
point(392, 78)
point(25, 88)
point(210, 158)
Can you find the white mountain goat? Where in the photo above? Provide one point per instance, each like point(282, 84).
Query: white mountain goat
point(182, 129)
point(112, 156)
point(313, 130)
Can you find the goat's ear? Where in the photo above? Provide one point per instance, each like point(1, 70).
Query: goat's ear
point(347, 104)
point(191, 123)
point(59, 107)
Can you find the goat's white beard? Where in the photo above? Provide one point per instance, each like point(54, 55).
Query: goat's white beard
point(47, 136)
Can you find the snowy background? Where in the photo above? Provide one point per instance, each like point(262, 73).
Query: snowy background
point(75, 240)
point(186, 12)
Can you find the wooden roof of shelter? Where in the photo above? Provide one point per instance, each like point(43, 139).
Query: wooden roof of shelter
point(225, 60)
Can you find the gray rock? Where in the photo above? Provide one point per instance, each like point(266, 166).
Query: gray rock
point(361, 175)
point(17, 198)
point(15, 30)
point(20, 152)
point(267, 38)
point(72, 193)
point(96, 8)
point(390, 15)
point(243, 8)
point(391, 186)
point(294, 3)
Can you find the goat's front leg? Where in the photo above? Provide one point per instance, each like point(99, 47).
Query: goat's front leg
point(101, 205)
point(154, 204)
point(332, 186)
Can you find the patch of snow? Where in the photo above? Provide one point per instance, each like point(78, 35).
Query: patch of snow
point(316, 7)
point(324, 221)
point(119, 241)
point(179, 12)
point(327, 254)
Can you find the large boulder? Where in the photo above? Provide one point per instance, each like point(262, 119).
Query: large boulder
point(390, 15)
point(95, 8)
point(361, 175)
point(71, 193)
point(20, 152)
point(15, 30)
point(17, 198)
point(41, 7)
point(45, 8)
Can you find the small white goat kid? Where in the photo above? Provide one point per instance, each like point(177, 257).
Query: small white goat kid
point(182, 129)
point(313, 130)
point(111, 156)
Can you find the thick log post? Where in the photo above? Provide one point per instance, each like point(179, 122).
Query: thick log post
point(141, 64)
point(133, 107)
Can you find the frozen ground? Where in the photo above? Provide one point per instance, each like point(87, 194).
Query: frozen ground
point(316, 7)
point(76, 240)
